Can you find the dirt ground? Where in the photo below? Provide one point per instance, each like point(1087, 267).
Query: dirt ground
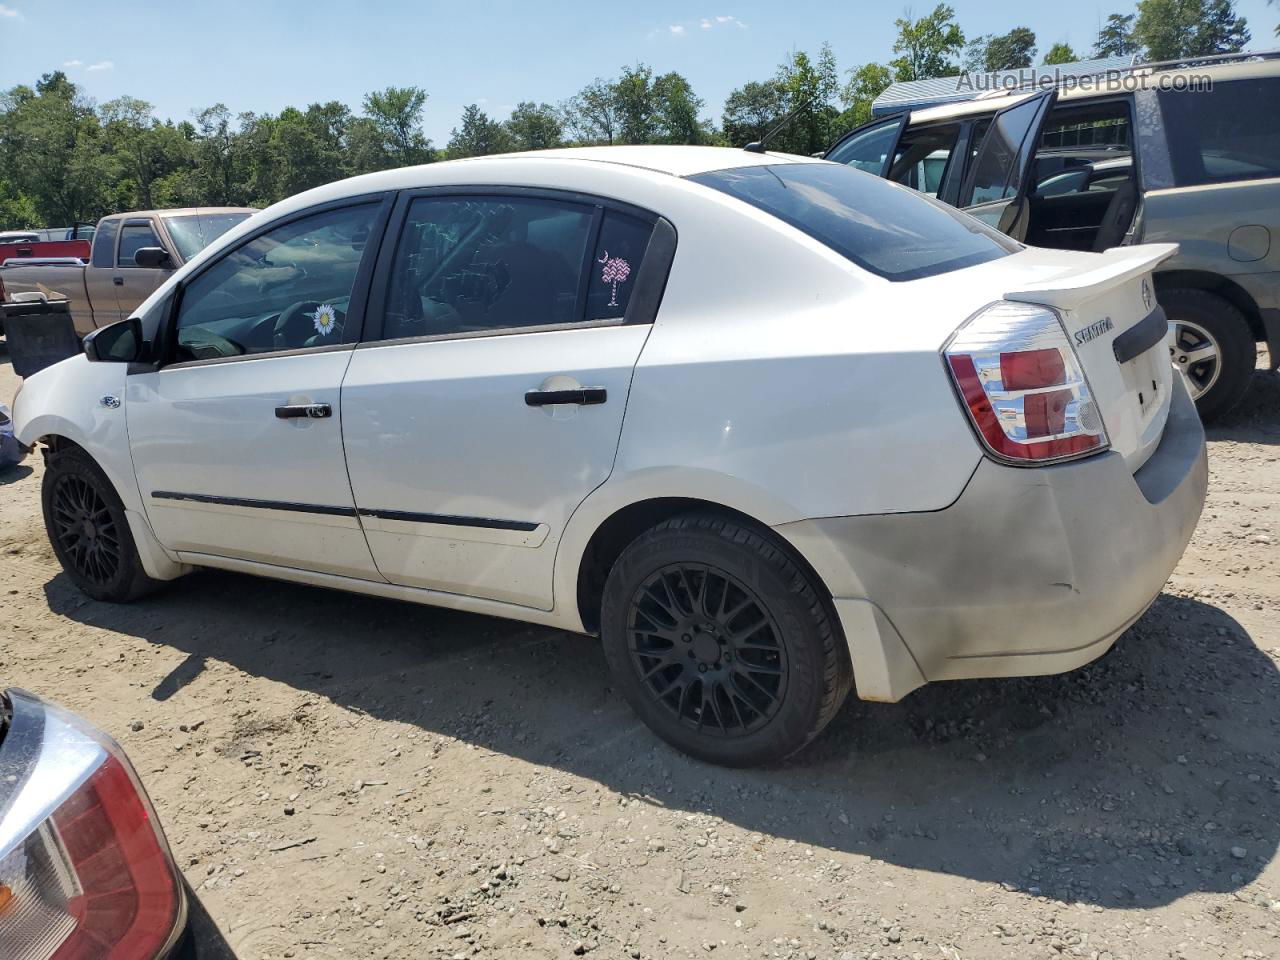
point(345, 777)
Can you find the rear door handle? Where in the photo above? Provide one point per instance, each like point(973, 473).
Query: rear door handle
point(582, 395)
point(304, 411)
point(118, 281)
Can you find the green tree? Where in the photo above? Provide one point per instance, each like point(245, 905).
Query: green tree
point(865, 84)
point(535, 126)
point(635, 105)
point(1014, 50)
point(810, 87)
point(751, 111)
point(927, 47)
point(1179, 29)
point(1060, 53)
point(592, 113)
point(478, 135)
point(1115, 39)
point(396, 113)
point(678, 110)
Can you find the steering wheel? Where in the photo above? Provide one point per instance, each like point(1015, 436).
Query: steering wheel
point(295, 325)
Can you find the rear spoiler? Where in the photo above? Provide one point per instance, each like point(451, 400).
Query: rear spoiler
point(1077, 284)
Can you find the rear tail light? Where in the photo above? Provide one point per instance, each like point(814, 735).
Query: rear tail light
point(1023, 385)
point(94, 879)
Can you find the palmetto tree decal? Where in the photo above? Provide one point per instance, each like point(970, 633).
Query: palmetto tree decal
point(616, 270)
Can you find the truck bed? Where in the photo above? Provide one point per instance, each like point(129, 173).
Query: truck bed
point(57, 281)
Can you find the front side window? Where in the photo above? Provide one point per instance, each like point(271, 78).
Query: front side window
point(868, 150)
point(288, 289)
point(892, 232)
point(472, 264)
point(1231, 132)
point(135, 235)
point(192, 232)
point(1000, 158)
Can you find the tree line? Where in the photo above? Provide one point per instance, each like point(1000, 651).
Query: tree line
point(65, 159)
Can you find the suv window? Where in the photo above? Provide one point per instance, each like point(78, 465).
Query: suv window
point(470, 264)
point(866, 151)
point(922, 155)
point(996, 173)
point(135, 235)
point(1231, 132)
point(104, 242)
point(286, 289)
point(877, 225)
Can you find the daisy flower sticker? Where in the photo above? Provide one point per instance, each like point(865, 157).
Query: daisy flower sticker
point(325, 317)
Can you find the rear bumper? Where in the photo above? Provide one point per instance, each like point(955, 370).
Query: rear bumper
point(1030, 571)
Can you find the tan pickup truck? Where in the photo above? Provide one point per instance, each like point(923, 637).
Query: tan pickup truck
point(132, 254)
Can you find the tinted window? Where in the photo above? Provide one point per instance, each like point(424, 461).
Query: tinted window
point(878, 225)
point(133, 237)
point(866, 151)
point(467, 264)
point(619, 251)
point(287, 289)
point(192, 232)
point(1231, 132)
point(921, 157)
point(104, 242)
point(997, 171)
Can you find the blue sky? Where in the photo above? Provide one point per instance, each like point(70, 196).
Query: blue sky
point(264, 55)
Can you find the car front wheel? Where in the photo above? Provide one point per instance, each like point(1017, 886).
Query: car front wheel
point(88, 529)
point(721, 643)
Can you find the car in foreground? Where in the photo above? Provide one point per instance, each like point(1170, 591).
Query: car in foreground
point(770, 426)
point(85, 870)
point(1175, 152)
point(131, 255)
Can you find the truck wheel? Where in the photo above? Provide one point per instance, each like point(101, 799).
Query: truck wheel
point(1212, 346)
point(721, 643)
point(88, 529)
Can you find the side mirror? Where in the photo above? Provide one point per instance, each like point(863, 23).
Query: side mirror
point(155, 257)
point(119, 342)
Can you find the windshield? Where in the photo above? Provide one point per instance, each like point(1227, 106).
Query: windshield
point(192, 232)
point(894, 232)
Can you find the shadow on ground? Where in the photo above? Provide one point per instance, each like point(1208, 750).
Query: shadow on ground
point(1256, 418)
point(1126, 783)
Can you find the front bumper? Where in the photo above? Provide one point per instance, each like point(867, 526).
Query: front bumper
point(1030, 571)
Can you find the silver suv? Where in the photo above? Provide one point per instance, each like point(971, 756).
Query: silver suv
point(1154, 154)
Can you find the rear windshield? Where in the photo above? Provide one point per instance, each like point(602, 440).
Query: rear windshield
point(192, 232)
point(893, 232)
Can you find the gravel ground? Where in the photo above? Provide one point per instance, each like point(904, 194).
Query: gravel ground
point(350, 777)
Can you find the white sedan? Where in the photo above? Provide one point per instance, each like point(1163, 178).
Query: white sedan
point(772, 427)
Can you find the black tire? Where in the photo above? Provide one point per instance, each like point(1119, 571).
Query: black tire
point(88, 530)
point(702, 606)
point(1223, 322)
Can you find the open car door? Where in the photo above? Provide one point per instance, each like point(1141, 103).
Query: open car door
point(998, 181)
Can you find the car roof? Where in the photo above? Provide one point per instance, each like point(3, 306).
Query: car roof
point(178, 212)
point(679, 161)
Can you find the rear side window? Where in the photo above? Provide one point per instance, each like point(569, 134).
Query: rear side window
point(894, 233)
point(104, 242)
point(619, 252)
point(474, 264)
point(136, 235)
point(1231, 132)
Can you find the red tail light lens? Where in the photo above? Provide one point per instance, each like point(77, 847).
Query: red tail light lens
point(1023, 385)
point(85, 872)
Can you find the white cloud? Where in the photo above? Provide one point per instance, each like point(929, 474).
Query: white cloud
point(705, 23)
point(73, 63)
point(676, 28)
point(10, 13)
point(100, 65)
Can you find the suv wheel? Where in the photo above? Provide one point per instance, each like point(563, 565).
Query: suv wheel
point(721, 643)
point(88, 529)
point(1212, 346)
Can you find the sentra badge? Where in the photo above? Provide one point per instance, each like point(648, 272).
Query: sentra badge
point(1093, 330)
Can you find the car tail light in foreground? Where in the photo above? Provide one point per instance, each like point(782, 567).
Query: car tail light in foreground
point(1023, 386)
point(85, 872)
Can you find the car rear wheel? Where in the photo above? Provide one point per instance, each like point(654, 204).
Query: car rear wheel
point(1212, 346)
point(88, 529)
point(721, 642)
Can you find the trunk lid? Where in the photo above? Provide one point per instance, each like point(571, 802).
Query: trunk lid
point(1107, 304)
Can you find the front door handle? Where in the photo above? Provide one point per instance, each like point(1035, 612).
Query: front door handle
point(118, 281)
point(304, 411)
point(582, 395)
